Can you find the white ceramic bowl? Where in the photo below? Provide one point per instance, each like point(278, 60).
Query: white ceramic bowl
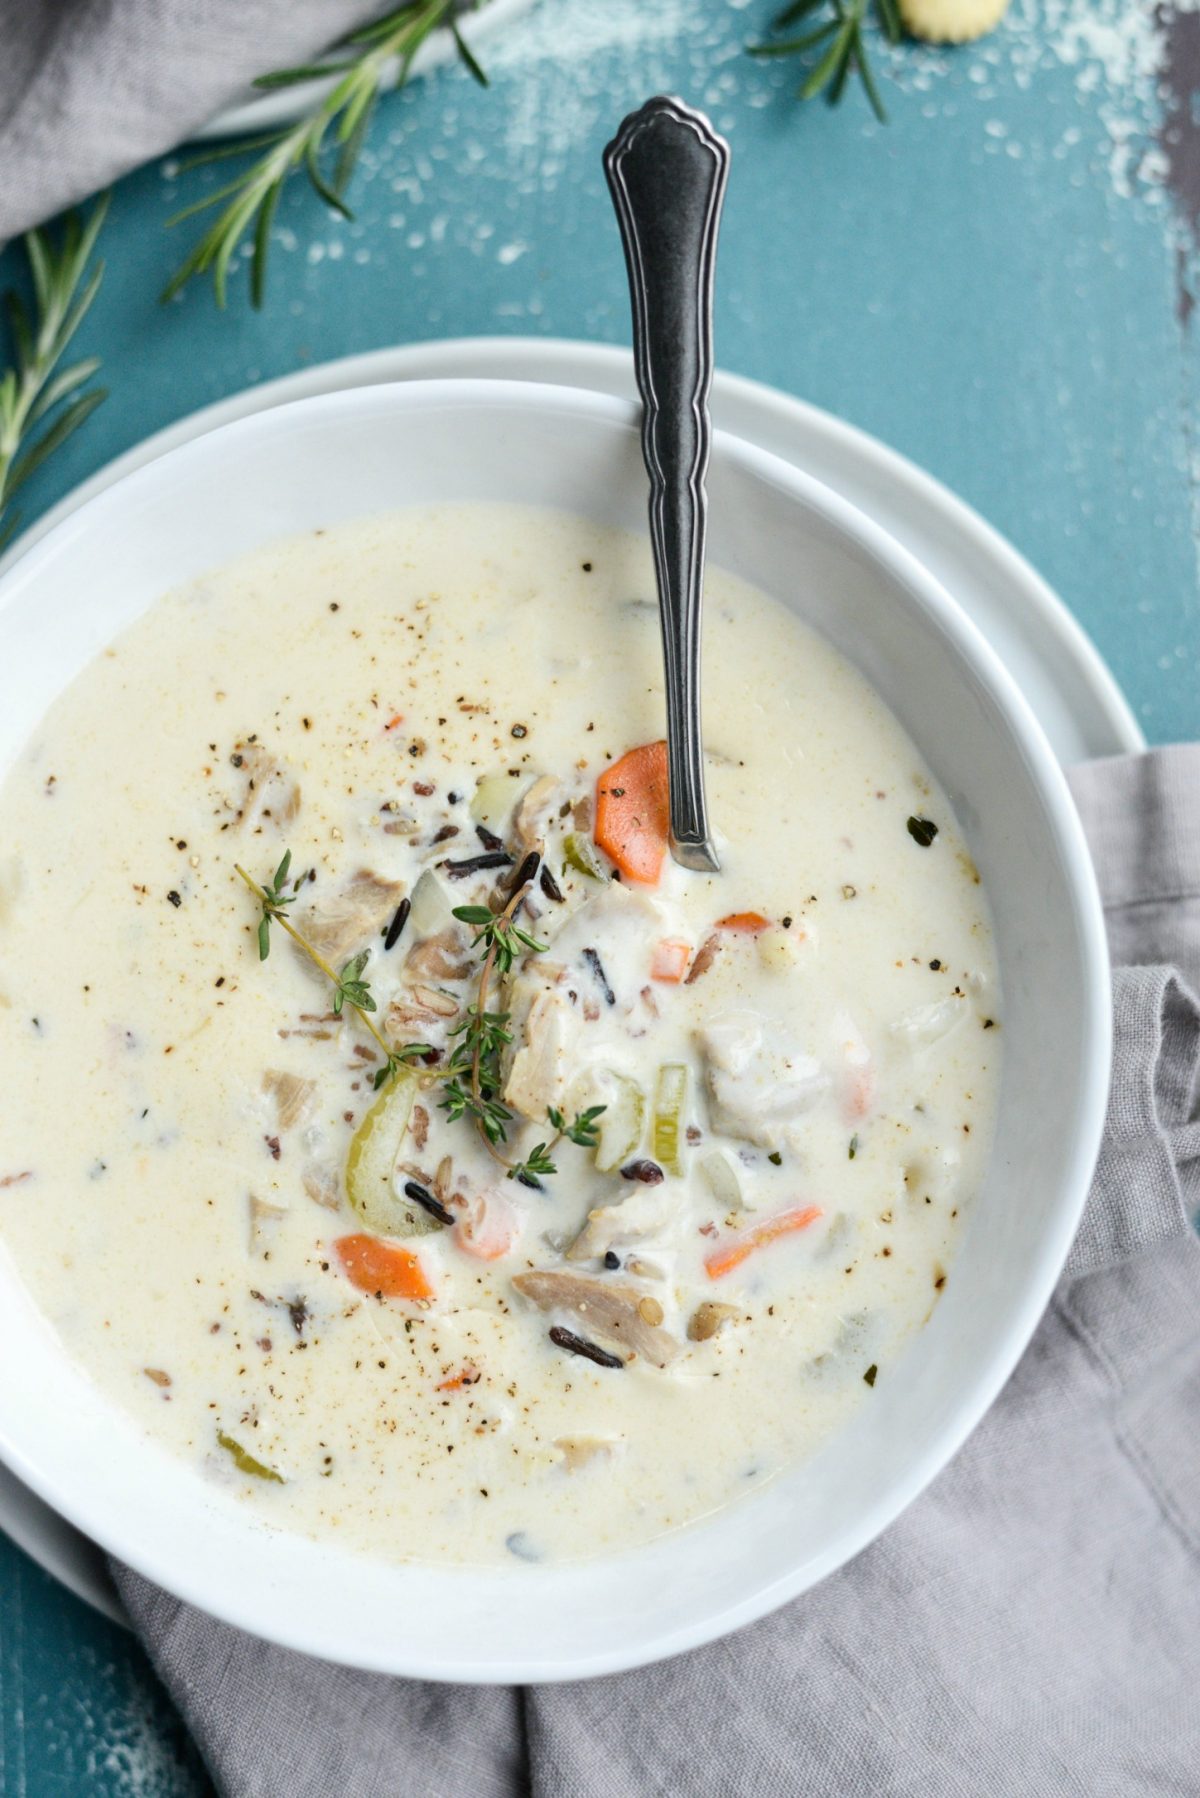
point(340, 456)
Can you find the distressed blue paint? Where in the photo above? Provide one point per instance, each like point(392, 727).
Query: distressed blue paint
point(1006, 319)
point(81, 1713)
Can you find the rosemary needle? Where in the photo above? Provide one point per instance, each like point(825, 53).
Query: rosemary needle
point(36, 385)
point(834, 36)
point(334, 126)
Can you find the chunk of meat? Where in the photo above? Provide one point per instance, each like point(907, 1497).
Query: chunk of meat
point(446, 956)
point(292, 1094)
point(542, 1058)
point(265, 1218)
point(647, 1211)
point(929, 1023)
point(707, 953)
point(552, 999)
point(272, 792)
point(621, 929)
point(423, 1015)
point(531, 816)
point(322, 1186)
point(342, 923)
point(606, 1309)
point(759, 1079)
point(579, 1452)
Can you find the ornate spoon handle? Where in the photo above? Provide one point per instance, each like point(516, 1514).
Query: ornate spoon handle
point(666, 170)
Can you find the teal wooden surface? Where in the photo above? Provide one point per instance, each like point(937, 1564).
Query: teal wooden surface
point(996, 283)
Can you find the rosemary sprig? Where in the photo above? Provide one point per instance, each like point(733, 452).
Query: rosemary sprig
point(349, 988)
point(63, 289)
point(335, 126)
point(838, 37)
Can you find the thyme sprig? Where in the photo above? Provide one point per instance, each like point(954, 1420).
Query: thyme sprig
point(274, 898)
point(349, 988)
point(334, 127)
point(497, 930)
point(582, 1130)
point(63, 289)
point(836, 35)
point(473, 1080)
point(473, 1074)
point(352, 988)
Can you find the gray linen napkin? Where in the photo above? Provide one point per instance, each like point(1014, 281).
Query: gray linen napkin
point(1030, 1627)
point(90, 89)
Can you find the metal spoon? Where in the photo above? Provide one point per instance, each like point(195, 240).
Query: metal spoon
point(666, 170)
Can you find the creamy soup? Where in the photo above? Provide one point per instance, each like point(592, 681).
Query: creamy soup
point(394, 1128)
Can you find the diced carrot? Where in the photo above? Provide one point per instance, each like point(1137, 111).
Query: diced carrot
point(488, 1227)
point(751, 921)
point(394, 720)
point(632, 812)
point(470, 1376)
point(671, 958)
point(375, 1265)
point(739, 1248)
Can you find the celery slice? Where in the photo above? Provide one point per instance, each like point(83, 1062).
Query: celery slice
point(493, 801)
point(669, 1098)
point(621, 1123)
point(245, 1462)
point(581, 853)
point(371, 1164)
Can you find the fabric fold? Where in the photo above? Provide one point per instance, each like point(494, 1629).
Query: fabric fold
point(1151, 1140)
point(90, 90)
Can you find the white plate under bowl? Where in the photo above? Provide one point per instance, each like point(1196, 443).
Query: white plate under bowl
point(344, 455)
point(1078, 703)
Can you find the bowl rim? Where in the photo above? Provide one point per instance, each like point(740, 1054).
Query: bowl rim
point(1057, 1229)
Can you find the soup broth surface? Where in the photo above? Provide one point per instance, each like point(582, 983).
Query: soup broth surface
point(207, 1168)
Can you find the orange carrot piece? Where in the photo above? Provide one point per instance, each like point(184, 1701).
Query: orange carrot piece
point(671, 958)
point(751, 921)
point(394, 720)
point(632, 814)
point(739, 1248)
point(374, 1265)
point(470, 1376)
